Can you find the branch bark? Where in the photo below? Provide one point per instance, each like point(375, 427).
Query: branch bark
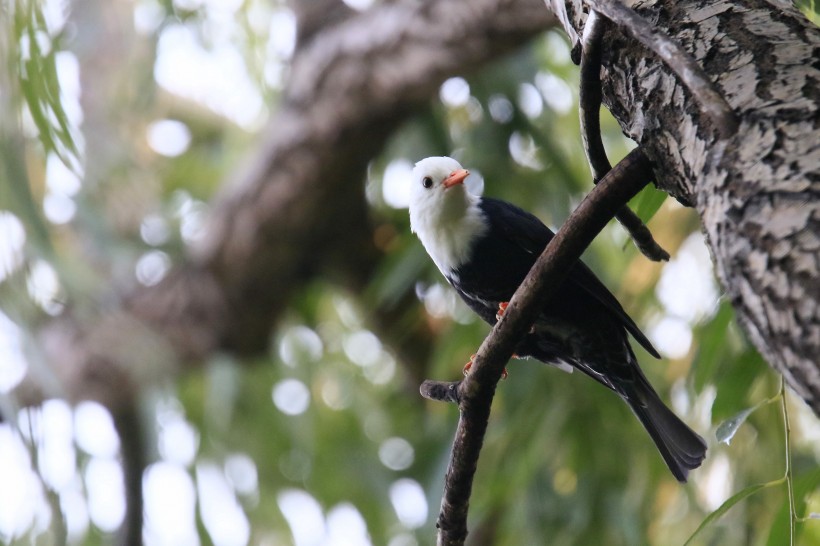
point(684, 66)
point(475, 393)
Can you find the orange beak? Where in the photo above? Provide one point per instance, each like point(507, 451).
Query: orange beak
point(455, 178)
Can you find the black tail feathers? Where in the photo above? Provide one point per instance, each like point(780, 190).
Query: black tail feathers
point(681, 448)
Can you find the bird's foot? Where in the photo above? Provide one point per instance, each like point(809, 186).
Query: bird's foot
point(469, 365)
point(502, 308)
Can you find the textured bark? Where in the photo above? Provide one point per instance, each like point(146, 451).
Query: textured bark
point(756, 192)
point(297, 209)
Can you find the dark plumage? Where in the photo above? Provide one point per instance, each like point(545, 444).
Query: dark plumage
point(485, 247)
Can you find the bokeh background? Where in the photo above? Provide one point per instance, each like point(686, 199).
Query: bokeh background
point(324, 440)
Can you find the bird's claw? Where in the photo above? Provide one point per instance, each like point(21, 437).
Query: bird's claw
point(502, 308)
point(466, 370)
point(469, 365)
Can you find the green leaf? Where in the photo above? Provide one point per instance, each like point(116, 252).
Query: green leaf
point(810, 9)
point(730, 502)
point(727, 429)
point(40, 85)
point(16, 194)
point(648, 202)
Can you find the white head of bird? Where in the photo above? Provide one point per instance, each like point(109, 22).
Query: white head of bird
point(444, 215)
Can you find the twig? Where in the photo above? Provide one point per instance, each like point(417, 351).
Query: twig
point(589, 103)
point(589, 109)
point(475, 393)
point(441, 391)
point(679, 61)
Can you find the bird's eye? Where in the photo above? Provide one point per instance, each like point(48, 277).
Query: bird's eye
point(427, 182)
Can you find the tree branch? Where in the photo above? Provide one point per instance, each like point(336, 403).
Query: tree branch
point(589, 109)
point(589, 97)
point(711, 101)
point(475, 393)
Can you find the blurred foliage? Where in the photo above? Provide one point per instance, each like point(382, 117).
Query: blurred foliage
point(564, 461)
point(810, 9)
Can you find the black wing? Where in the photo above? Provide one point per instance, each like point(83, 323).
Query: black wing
point(528, 237)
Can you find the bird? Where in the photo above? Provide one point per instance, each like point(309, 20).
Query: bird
point(485, 247)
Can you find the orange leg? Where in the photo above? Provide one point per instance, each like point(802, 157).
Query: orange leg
point(469, 365)
point(502, 308)
point(466, 370)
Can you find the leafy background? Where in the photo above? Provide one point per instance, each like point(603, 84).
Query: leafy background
point(324, 439)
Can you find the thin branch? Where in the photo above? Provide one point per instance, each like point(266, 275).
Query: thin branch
point(441, 391)
point(589, 99)
point(589, 109)
point(676, 58)
point(475, 393)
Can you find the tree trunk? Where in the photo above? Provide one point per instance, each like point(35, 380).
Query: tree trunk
point(756, 191)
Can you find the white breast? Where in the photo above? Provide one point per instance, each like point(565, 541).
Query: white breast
point(449, 234)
